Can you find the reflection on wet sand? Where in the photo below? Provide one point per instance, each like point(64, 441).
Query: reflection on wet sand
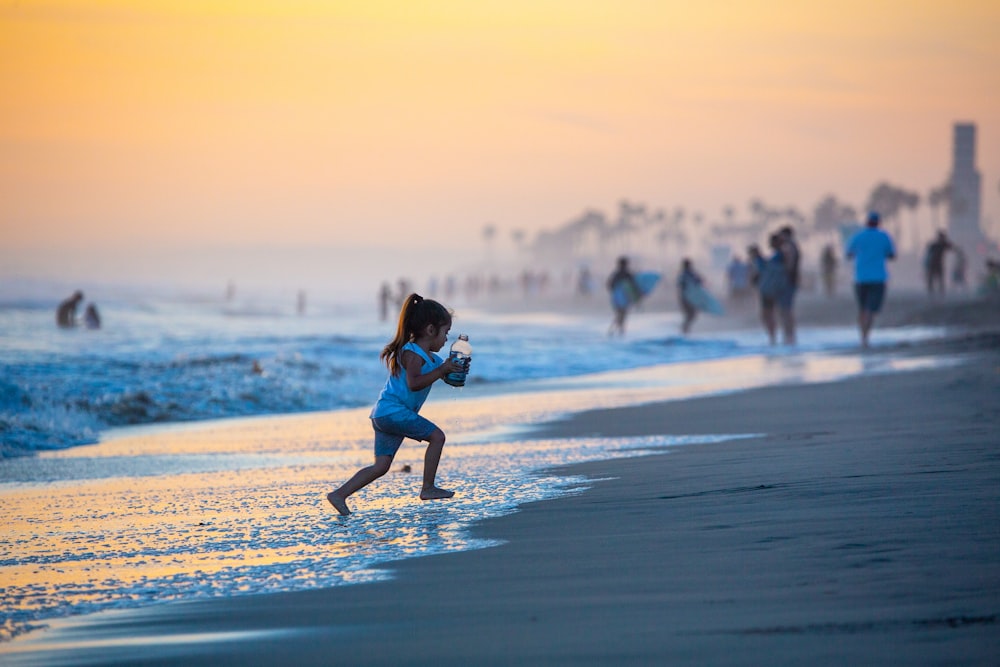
point(237, 507)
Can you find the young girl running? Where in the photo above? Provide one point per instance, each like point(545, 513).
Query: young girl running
point(413, 367)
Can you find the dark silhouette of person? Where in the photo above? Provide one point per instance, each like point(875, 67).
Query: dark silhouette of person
point(687, 276)
point(622, 274)
point(384, 299)
point(828, 265)
point(775, 289)
point(934, 261)
point(755, 260)
point(66, 312)
point(91, 318)
point(790, 251)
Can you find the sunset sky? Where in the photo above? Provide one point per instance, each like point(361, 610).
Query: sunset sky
point(129, 128)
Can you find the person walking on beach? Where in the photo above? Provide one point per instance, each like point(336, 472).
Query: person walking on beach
point(619, 282)
point(687, 277)
point(934, 261)
point(774, 286)
point(413, 367)
point(870, 248)
point(792, 255)
point(828, 265)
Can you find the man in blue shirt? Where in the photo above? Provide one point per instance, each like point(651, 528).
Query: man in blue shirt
point(870, 248)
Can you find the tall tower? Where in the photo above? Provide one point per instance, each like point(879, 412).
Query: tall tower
point(966, 191)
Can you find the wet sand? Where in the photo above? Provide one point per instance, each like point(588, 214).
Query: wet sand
point(861, 527)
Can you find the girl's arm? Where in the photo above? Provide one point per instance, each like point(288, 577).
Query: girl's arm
point(416, 380)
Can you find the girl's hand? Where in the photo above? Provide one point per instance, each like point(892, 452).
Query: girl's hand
point(451, 366)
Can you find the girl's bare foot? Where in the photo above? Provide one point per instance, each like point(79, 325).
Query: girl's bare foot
point(338, 503)
point(434, 493)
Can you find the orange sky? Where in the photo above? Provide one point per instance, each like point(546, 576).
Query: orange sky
point(135, 124)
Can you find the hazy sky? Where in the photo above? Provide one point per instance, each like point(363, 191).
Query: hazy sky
point(150, 125)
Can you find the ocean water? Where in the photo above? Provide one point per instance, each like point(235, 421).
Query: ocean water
point(126, 481)
point(172, 360)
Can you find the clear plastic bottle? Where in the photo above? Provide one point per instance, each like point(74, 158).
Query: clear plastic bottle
point(461, 351)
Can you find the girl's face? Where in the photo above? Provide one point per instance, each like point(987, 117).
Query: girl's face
point(439, 336)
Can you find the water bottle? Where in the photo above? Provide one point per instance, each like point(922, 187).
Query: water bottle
point(461, 352)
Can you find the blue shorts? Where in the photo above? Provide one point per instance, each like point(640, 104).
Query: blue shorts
point(869, 296)
point(391, 429)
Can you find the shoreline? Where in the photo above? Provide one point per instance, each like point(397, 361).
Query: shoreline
point(94, 420)
point(584, 580)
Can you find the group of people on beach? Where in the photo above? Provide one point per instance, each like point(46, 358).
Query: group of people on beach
point(423, 326)
point(66, 313)
point(776, 278)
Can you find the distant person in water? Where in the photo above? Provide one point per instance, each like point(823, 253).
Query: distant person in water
point(91, 318)
point(66, 312)
point(623, 279)
point(870, 248)
point(384, 298)
point(685, 279)
point(755, 259)
point(413, 367)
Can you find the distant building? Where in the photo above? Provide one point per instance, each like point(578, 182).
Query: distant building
point(966, 186)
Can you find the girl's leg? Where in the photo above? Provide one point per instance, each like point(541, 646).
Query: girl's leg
point(361, 479)
point(435, 445)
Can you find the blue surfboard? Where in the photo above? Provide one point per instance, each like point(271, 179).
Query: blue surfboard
point(702, 299)
point(624, 295)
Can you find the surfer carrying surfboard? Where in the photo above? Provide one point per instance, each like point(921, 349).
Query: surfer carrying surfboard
point(687, 280)
point(625, 292)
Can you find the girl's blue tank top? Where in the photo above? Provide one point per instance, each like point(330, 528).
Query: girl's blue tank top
point(396, 395)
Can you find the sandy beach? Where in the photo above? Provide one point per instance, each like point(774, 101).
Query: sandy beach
point(862, 526)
